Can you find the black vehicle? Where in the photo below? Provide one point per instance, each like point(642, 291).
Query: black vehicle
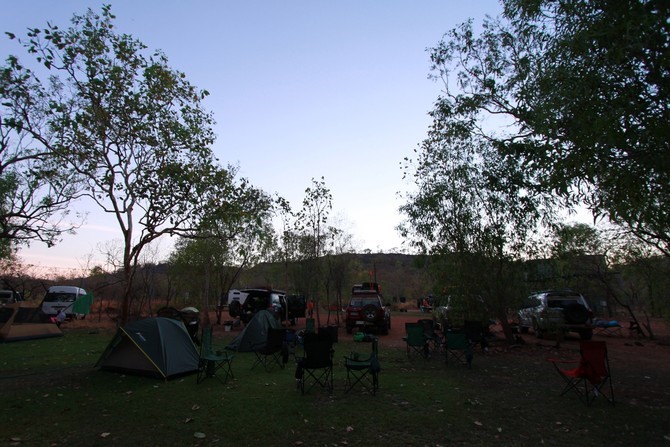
point(245, 303)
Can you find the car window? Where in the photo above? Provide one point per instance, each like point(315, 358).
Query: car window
point(60, 297)
point(360, 302)
point(257, 301)
point(531, 301)
point(562, 302)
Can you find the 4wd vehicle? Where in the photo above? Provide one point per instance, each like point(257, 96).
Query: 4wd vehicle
point(367, 309)
point(554, 310)
point(245, 303)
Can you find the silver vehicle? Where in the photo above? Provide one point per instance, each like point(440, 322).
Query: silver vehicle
point(62, 298)
point(556, 310)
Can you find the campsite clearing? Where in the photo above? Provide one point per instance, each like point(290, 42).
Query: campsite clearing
point(54, 396)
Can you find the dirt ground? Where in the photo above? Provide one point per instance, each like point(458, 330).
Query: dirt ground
point(640, 366)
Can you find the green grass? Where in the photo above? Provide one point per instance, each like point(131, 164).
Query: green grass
point(52, 395)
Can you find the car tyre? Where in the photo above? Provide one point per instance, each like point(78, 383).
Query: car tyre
point(370, 312)
point(235, 309)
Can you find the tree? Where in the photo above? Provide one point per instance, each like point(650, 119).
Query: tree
point(311, 227)
point(473, 212)
point(575, 240)
point(578, 92)
point(35, 192)
point(229, 240)
point(339, 261)
point(131, 127)
point(637, 279)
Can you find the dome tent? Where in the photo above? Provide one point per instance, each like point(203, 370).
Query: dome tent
point(158, 347)
point(255, 333)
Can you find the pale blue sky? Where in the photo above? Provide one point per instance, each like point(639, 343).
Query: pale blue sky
point(299, 90)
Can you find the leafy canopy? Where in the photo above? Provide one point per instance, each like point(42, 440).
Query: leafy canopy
point(577, 91)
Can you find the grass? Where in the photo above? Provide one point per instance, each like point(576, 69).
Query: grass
point(54, 397)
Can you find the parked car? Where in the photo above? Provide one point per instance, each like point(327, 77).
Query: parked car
point(556, 310)
point(367, 310)
point(245, 303)
point(9, 297)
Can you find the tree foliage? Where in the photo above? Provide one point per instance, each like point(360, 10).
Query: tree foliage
point(35, 192)
point(473, 210)
point(577, 91)
point(231, 238)
point(130, 126)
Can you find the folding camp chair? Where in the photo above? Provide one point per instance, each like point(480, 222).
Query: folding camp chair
point(213, 364)
point(416, 340)
point(273, 351)
point(608, 328)
point(363, 371)
point(316, 366)
point(458, 347)
point(591, 376)
point(433, 339)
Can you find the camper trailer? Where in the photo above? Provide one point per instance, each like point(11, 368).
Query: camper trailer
point(63, 297)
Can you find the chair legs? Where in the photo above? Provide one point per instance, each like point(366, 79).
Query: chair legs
point(308, 378)
point(362, 375)
point(219, 367)
point(585, 390)
point(590, 376)
point(268, 360)
point(462, 356)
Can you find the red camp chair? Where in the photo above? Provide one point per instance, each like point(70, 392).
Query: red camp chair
point(591, 376)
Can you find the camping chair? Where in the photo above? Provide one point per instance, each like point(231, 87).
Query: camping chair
point(433, 339)
point(273, 350)
point(317, 364)
point(213, 364)
point(363, 371)
point(416, 340)
point(458, 347)
point(608, 328)
point(591, 376)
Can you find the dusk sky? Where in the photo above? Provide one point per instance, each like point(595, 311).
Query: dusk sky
point(299, 90)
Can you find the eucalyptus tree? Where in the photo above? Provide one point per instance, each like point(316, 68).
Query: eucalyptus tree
point(232, 237)
point(312, 219)
point(578, 91)
point(474, 212)
point(130, 126)
point(311, 227)
point(35, 192)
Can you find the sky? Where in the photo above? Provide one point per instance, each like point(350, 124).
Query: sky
point(299, 90)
